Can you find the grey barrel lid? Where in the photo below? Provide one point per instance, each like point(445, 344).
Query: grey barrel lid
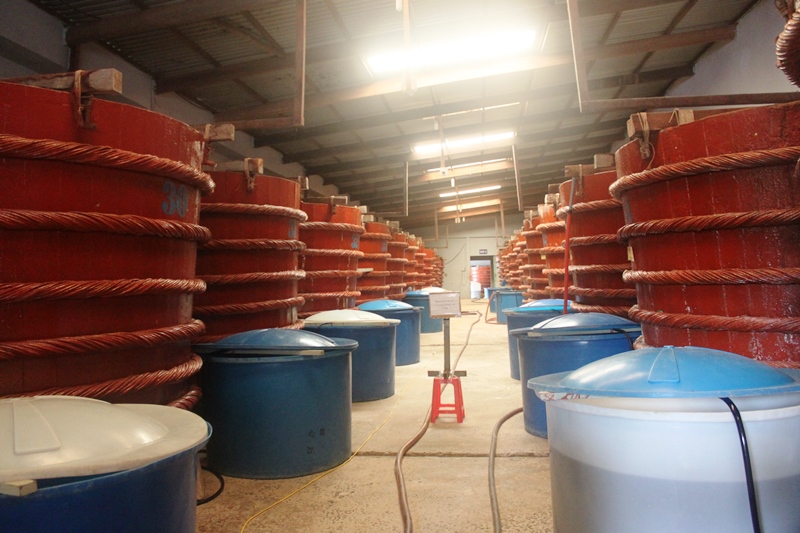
point(580, 324)
point(275, 341)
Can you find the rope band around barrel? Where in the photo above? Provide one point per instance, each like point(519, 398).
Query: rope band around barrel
point(622, 311)
point(330, 295)
point(331, 226)
point(375, 288)
point(717, 163)
point(398, 244)
point(602, 293)
point(549, 250)
point(377, 274)
point(331, 252)
point(103, 342)
point(253, 277)
point(377, 256)
point(248, 308)
point(786, 325)
point(188, 400)
point(550, 227)
point(787, 48)
point(751, 219)
point(376, 236)
point(587, 207)
point(68, 289)
point(599, 269)
point(595, 240)
point(254, 244)
point(104, 156)
point(727, 276)
point(320, 274)
point(254, 210)
point(532, 233)
point(26, 220)
point(126, 385)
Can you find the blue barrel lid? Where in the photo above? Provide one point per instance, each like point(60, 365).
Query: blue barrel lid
point(276, 342)
point(426, 291)
point(385, 305)
point(538, 306)
point(670, 372)
point(580, 324)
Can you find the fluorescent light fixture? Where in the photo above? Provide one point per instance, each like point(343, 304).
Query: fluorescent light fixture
point(470, 191)
point(432, 148)
point(472, 49)
point(467, 165)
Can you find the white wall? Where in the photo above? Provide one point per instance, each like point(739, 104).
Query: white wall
point(746, 64)
point(465, 240)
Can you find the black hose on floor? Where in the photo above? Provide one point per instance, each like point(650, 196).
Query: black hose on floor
point(405, 510)
point(221, 480)
point(748, 468)
point(492, 452)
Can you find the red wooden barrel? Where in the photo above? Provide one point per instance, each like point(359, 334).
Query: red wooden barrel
point(375, 245)
point(553, 234)
point(98, 237)
point(396, 265)
point(598, 259)
point(251, 265)
point(413, 278)
point(330, 260)
point(714, 225)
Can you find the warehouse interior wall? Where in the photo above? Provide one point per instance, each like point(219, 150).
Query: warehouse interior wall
point(32, 42)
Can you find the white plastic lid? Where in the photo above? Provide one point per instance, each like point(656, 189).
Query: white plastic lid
point(64, 436)
point(349, 318)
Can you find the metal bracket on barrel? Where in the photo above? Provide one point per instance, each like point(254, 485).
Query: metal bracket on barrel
point(84, 86)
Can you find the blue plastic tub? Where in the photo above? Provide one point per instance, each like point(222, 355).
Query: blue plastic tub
point(279, 402)
point(99, 467)
point(506, 300)
point(564, 343)
point(526, 316)
point(374, 359)
point(408, 331)
point(420, 299)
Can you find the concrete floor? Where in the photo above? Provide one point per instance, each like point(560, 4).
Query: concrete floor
point(446, 472)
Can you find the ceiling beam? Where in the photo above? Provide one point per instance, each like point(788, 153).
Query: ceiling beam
point(246, 120)
point(157, 18)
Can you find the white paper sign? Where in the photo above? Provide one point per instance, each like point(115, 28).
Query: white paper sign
point(445, 304)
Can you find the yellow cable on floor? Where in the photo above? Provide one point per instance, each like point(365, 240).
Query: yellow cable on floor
point(322, 475)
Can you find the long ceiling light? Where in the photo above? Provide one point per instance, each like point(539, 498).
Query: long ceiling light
point(472, 49)
point(467, 165)
point(450, 144)
point(470, 191)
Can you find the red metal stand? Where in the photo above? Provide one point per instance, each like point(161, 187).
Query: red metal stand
point(439, 408)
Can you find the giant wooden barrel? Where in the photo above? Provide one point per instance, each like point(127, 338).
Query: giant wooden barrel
point(713, 224)
point(98, 237)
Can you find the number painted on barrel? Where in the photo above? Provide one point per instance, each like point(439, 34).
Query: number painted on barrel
point(177, 199)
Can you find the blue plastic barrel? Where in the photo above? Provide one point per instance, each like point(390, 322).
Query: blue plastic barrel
point(408, 331)
point(421, 299)
point(77, 454)
point(487, 292)
point(564, 343)
point(528, 315)
point(279, 402)
point(374, 359)
point(506, 300)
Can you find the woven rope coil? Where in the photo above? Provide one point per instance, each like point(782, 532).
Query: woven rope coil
point(331, 226)
point(254, 244)
point(253, 277)
point(718, 163)
point(750, 219)
point(126, 385)
point(728, 276)
point(103, 342)
point(595, 240)
point(328, 252)
point(788, 325)
point(586, 207)
point(104, 156)
point(26, 220)
point(330, 295)
point(602, 293)
point(376, 236)
point(63, 290)
point(254, 210)
point(248, 308)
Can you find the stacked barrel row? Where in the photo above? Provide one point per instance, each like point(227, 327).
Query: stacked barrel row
point(597, 258)
point(536, 281)
point(98, 232)
point(330, 259)
point(374, 244)
point(552, 251)
point(396, 264)
point(713, 224)
point(413, 278)
point(251, 264)
point(437, 276)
